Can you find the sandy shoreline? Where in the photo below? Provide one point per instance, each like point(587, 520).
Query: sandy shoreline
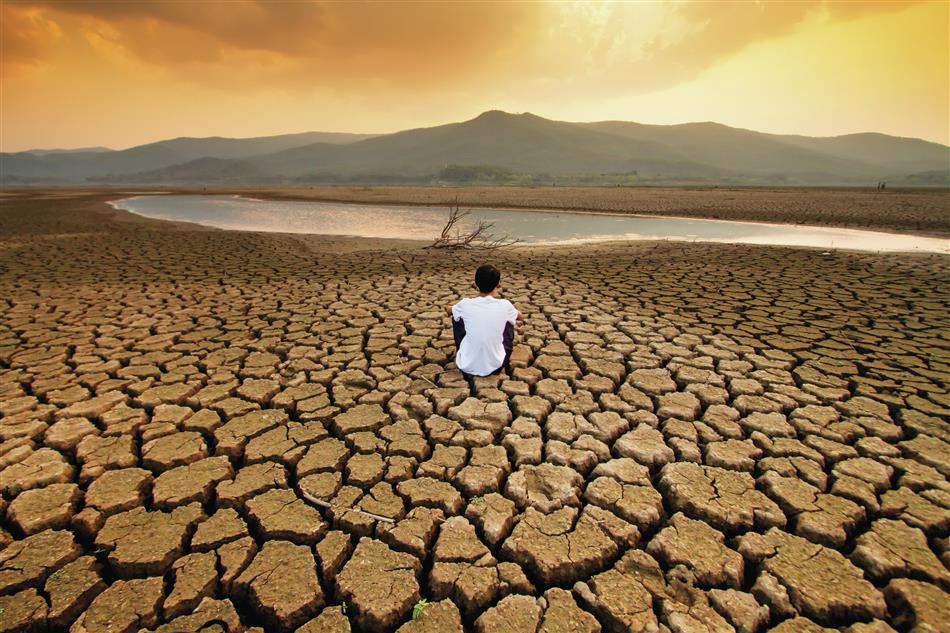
point(716, 428)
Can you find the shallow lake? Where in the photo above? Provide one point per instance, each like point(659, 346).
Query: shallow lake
point(532, 227)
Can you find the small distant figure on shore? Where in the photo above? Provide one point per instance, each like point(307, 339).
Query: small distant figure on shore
point(881, 186)
point(484, 327)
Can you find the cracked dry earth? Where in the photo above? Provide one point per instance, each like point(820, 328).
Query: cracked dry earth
point(215, 431)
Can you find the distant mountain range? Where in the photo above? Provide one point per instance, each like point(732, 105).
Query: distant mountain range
point(501, 147)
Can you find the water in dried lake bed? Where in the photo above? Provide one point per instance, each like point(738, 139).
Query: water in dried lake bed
point(532, 227)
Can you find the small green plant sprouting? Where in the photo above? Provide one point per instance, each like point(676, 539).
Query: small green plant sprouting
point(477, 501)
point(56, 575)
point(419, 608)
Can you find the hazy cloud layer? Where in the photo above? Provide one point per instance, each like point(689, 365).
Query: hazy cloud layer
point(369, 41)
point(713, 30)
point(336, 45)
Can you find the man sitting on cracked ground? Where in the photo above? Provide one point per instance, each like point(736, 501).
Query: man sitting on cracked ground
point(484, 327)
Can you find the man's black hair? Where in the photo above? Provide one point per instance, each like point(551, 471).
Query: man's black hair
point(487, 278)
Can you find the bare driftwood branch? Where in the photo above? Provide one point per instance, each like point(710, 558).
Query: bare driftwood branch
point(478, 235)
point(341, 509)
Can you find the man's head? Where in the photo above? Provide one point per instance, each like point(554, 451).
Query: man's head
point(487, 278)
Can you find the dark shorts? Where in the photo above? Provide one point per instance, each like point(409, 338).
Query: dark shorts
point(507, 340)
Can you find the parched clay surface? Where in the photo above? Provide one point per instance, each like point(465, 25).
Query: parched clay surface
point(207, 430)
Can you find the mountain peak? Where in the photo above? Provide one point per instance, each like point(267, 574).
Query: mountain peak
point(492, 114)
point(501, 115)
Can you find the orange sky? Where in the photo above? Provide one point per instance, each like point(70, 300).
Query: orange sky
point(119, 73)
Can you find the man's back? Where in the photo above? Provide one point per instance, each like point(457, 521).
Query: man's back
point(481, 351)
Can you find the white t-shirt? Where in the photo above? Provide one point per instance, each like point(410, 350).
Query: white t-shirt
point(482, 351)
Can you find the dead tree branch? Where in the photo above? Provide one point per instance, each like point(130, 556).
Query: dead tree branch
point(456, 234)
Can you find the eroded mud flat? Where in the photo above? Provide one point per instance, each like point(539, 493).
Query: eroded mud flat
point(206, 430)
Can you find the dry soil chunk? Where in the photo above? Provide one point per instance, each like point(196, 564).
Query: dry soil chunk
point(286, 443)
point(485, 471)
point(772, 425)
point(379, 584)
point(726, 499)
point(800, 625)
point(701, 548)
point(867, 469)
point(232, 437)
point(740, 609)
point(40, 468)
point(177, 449)
point(165, 394)
point(557, 550)
point(686, 608)
point(733, 454)
point(330, 620)
point(622, 597)
point(917, 606)
point(545, 487)
point(562, 615)
point(44, 508)
point(494, 515)
point(514, 614)
point(332, 552)
point(125, 607)
point(862, 406)
point(97, 454)
point(431, 493)
point(915, 510)
point(94, 407)
point(281, 584)
point(233, 558)
point(415, 532)
point(436, 617)
point(486, 416)
point(249, 481)
point(71, 589)
point(23, 611)
point(823, 518)
point(652, 381)
point(143, 543)
point(281, 514)
point(642, 505)
point(196, 576)
point(193, 482)
point(893, 548)
point(365, 469)
point(210, 615)
point(224, 526)
point(680, 405)
point(822, 584)
point(465, 570)
point(118, 490)
point(66, 434)
point(362, 417)
point(30, 561)
point(328, 455)
point(624, 469)
point(645, 444)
